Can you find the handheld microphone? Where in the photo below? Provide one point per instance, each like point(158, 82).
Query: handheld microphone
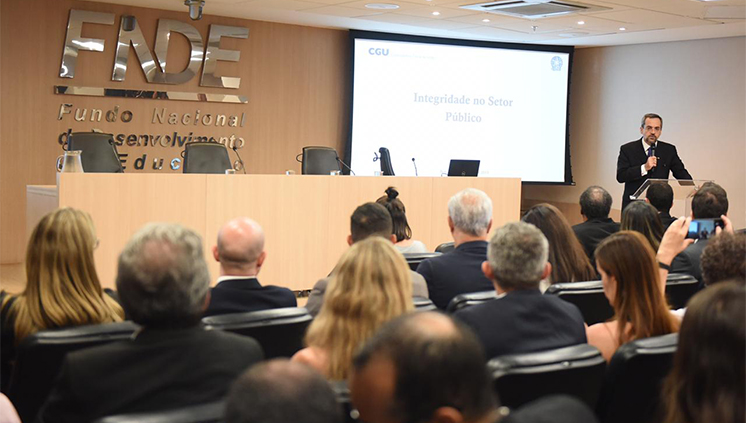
point(652, 154)
point(235, 150)
point(415, 167)
point(345, 165)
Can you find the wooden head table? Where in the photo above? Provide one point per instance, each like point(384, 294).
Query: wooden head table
point(306, 218)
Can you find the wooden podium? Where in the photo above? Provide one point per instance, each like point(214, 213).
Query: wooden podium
point(306, 218)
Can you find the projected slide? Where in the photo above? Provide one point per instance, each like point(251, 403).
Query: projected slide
point(435, 102)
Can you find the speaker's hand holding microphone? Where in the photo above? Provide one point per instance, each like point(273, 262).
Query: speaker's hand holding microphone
point(651, 163)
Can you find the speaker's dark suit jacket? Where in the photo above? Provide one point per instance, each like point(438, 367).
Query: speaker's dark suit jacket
point(688, 261)
point(457, 272)
point(242, 295)
point(524, 321)
point(157, 370)
point(632, 155)
point(591, 232)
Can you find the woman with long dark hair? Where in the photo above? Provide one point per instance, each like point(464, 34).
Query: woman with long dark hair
point(404, 241)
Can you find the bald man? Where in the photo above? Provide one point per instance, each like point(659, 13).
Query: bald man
point(240, 252)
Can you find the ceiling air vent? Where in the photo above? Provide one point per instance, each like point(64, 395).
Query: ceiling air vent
point(534, 9)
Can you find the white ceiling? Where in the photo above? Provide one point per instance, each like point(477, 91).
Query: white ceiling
point(645, 21)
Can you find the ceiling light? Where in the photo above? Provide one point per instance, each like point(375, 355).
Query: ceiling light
point(382, 6)
point(436, 13)
point(581, 22)
point(622, 29)
point(485, 20)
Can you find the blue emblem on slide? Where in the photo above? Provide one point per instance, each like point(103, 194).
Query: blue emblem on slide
point(556, 63)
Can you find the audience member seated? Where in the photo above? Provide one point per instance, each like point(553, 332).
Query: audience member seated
point(460, 271)
point(641, 217)
point(8, 413)
point(423, 367)
point(724, 258)
point(660, 196)
point(635, 289)
point(280, 391)
point(62, 286)
point(566, 255)
point(172, 361)
point(370, 285)
point(240, 252)
point(708, 379)
point(521, 319)
point(709, 202)
point(404, 241)
point(595, 205)
point(370, 219)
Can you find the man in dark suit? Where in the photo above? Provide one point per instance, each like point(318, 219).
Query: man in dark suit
point(459, 271)
point(521, 319)
point(595, 205)
point(240, 252)
point(647, 158)
point(172, 361)
point(369, 219)
point(660, 196)
point(709, 202)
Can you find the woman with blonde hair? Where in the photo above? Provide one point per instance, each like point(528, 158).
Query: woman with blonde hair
point(62, 286)
point(632, 282)
point(370, 285)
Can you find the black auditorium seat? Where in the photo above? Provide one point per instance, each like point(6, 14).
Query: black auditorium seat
point(423, 304)
point(414, 259)
point(680, 287)
point(445, 247)
point(587, 296)
point(467, 300)
point(99, 153)
point(520, 378)
point(40, 356)
point(633, 382)
point(280, 331)
point(319, 160)
point(203, 413)
point(206, 157)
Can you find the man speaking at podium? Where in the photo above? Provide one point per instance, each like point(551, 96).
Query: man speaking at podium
point(647, 158)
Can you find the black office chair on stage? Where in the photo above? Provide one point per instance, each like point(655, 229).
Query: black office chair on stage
point(319, 160)
point(414, 259)
point(521, 378)
point(279, 331)
point(99, 152)
point(206, 157)
point(40, 357)
point(634, 378)
point(203, 413)
point(587, 296)
point(467, 300)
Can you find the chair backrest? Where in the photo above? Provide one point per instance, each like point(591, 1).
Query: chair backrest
point(204, 413)
point(632, 387)
point(279, 331)
point(99, 152)
point(423, 304)
point(445, 247)
point(206, 157)
point(520, 378)
point(342, 391)
point(414, 259)
point(587, 296)
point(319, 160)
point(469, 299)
point(680, 287)
point(40, 356)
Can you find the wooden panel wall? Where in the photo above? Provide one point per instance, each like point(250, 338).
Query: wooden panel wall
point(296, 78)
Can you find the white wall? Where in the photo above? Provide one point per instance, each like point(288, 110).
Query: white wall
point(699, 87)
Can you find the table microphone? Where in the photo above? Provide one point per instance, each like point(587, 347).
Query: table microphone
point(415, 167)
point(243, 167)
point(345, 165)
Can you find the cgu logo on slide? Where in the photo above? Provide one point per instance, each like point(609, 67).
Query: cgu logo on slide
point(378, 51)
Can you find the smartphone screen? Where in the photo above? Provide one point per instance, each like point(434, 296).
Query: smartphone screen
point(703, 228)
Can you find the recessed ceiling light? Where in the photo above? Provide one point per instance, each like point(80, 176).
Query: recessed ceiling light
point(436, 13)
point(581, 22)
point(485, 20)
point(622, 29)
point(382, 6)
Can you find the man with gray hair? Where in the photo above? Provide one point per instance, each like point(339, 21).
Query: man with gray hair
point(171, 361)
point(521, 319)
point(240, 252)
point(459, 271)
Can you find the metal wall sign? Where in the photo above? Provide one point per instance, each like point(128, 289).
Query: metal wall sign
point(153, 64)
